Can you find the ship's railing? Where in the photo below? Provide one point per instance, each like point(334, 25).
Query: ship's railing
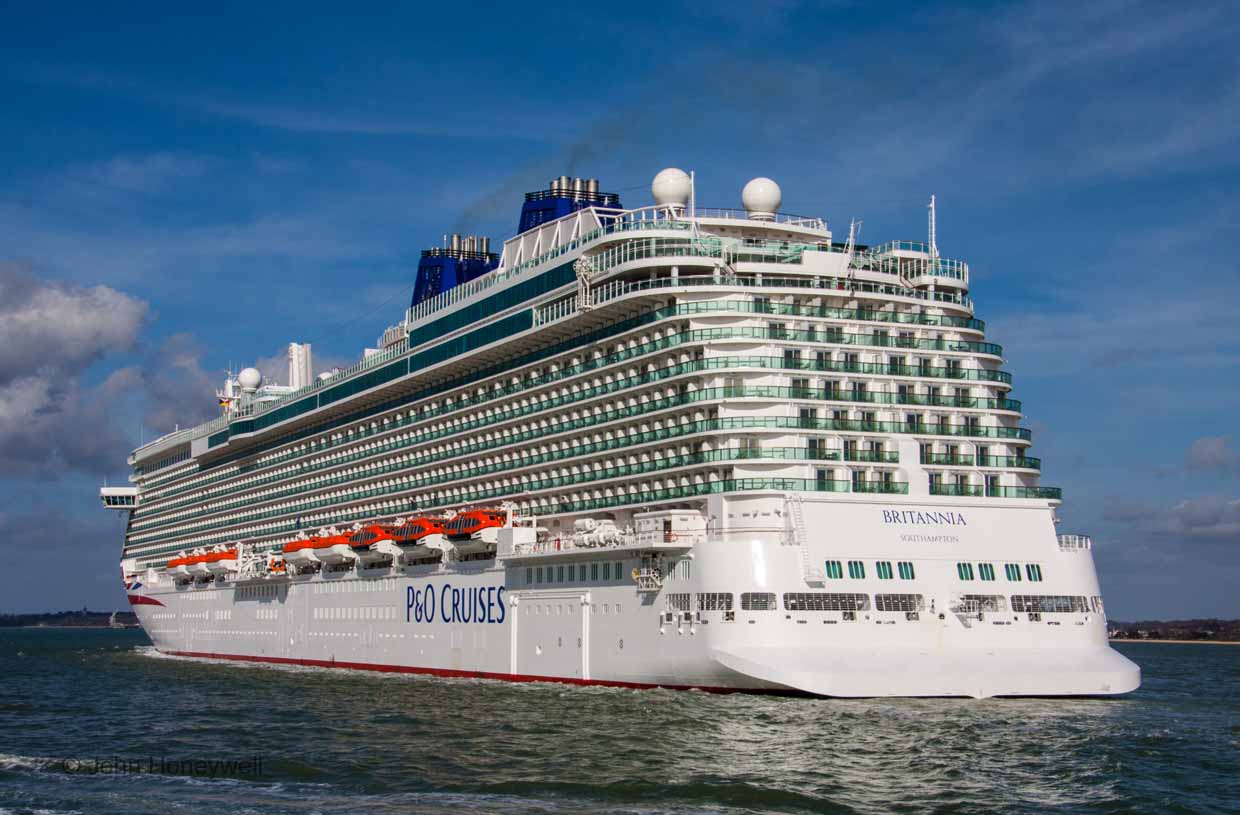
point(611, 290)
point(1075, 543)
point(806, 221)
point(573, 543)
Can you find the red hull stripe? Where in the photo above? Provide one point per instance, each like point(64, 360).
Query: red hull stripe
point(446, 672)
point(142, 600)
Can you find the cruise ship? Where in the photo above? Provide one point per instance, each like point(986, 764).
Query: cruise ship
point(665, 446)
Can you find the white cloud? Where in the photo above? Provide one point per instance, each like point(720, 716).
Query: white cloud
point(60, 327)
point(1213, 454)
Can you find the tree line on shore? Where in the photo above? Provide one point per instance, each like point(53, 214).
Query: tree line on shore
point(1204, 630)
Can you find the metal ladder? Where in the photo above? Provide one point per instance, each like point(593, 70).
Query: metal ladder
point(796, 528)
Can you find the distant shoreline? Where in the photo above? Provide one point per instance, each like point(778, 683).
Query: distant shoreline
point(1180, 642)
point(60, 627)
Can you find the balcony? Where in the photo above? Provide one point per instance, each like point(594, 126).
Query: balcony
point(1021, 462)
point(1048, 493)
point(950, 459)
point(876, 456)
point(887, 487)
point(960, 490)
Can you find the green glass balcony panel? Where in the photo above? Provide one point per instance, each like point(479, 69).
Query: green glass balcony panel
point(948, 459)
point(877, 456)
point(1023, 462)
point(1051, 493)
point(886, 487)
point(962, 490)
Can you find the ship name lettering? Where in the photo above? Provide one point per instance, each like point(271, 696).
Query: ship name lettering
point(477, 604)
point(929, 517)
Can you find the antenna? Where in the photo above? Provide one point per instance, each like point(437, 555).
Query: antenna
point(693, 204)
point(934, 246)
point(850, 249)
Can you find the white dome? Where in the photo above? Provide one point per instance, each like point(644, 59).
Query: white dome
point(761, 198)
point(250, 379)
point(671, 186)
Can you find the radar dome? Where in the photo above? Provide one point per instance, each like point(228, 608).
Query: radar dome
point(250, 379)
point(761, 198)
point(671, 186)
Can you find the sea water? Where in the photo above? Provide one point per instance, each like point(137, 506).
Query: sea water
point(95, 721)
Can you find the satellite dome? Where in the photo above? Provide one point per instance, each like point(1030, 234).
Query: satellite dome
point(671, 186)
point(761, 198)
point(250, 379)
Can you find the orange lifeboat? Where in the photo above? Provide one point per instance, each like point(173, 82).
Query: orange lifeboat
point(178, 566)
point(334, 548)
point(300, 552)
point(472, 522)
point(367, 535)
point(197, 565)
point(374, 545)
point(413, 531)
point(221, 562)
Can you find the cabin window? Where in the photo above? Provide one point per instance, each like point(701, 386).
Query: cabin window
point(883, 567)
point(607, 571)
point(835, 570)
point(964, 571)
point(1034, 572)
point(758, 601)
point(594, 571)
point(856, 570)
point(539, 574)
point(1012, 570)
point(986, 571)
point(559, 574)
point(529, 576)
point(617, 571)
point(905, 569)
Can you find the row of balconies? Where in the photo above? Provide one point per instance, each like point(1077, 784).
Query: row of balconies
point(912, 424)
point(591, 471)
point(600, 388)
point(696, 308)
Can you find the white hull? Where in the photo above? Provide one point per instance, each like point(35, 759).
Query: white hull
point(487, 621)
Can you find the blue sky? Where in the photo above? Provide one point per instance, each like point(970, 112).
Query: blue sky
point(182, 192)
